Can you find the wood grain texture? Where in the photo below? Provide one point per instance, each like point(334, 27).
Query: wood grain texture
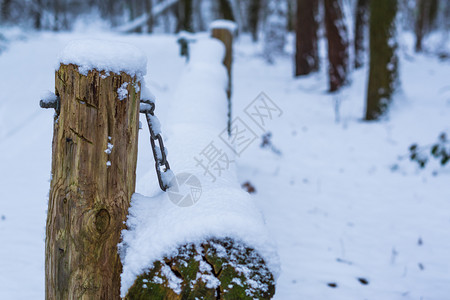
point(89, 200)
point(226, 37)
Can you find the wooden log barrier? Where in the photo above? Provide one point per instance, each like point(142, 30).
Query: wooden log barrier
point(93, 178)
point(223, 30)
point(211, 267)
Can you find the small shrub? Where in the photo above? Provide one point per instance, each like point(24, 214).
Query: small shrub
point(439, 151)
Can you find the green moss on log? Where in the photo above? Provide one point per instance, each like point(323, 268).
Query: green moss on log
point(216, 269)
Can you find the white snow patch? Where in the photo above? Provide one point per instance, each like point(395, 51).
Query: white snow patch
point(103, 55)
point(109, 149)
point(122, 91)
point(173, 281)
point(48, 97)
point(224, 24)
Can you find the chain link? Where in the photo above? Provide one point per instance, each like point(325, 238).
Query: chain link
point(147, 107)
point(159, 151)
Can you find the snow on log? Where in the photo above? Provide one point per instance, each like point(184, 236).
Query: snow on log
point(205, 238)
point(224, 30)
point(224, 24)
point(101, 55)
point(93, 168)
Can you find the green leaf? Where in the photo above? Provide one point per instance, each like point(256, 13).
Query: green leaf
point(413, 147)
point(434, 150)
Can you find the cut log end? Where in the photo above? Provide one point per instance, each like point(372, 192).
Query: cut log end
point(216, 269)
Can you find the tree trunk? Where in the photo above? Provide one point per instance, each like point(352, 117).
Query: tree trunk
point(148, 9)
point(185, 15)
point(5, 10)
point(291, 15)
point(93, 178)
point(275, 30)
point(225, 10)
point(56, 14)
point(426, 14)
point(253, 18)
point(37, 14)
point(383, 59)
point(420, 22)
point(307, 53)
point(337, 38)
point(361, 16)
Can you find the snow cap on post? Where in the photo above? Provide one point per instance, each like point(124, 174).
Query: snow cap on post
point(105, 56)
point(224, 24)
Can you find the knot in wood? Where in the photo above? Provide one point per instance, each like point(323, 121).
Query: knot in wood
point(102, 220)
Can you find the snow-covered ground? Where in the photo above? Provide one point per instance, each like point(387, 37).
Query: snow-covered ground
point(335, 206)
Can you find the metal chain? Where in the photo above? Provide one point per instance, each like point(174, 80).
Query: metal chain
point(147, 107)
point(159, 153)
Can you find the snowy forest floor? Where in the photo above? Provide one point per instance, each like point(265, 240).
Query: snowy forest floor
point(341, 206)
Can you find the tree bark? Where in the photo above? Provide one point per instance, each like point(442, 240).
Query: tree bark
point(275, 30)
point(5, 10)
point(148, 9)
point(253, 18)
point(383, 59)
point(426, 14)
point(37, 14)
point(226, 37)
point(420, 22)
point(361, 16)
point(185, 15)
point(337, 38)
point(91, 186)
point(226, 10)
point(56, 14)
point(307, 53)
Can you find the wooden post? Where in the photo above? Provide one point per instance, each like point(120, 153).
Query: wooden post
point(93, 178)
point(226, 36)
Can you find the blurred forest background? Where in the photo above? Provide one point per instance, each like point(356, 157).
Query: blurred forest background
point(353, 216)
point(343, 23)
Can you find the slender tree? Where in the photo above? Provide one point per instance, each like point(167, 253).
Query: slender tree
point(426, 14)
point(37, 14)
point(253, 17)
point(226, 10)
point(185, 15)
point(383, 59)
point(361, 16)
point(291, 15)
point(148, 9)
point(5, 10)
point(307, 54)
point(275, 29)
point(337, 37)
